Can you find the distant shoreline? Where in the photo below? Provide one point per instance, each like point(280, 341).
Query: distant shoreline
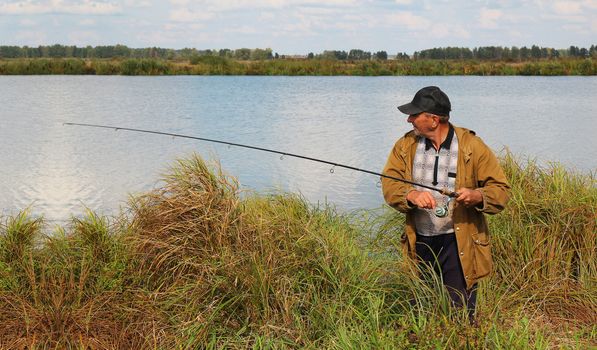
point(297, 67)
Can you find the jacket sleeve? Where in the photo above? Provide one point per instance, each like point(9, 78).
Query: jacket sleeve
point(491, 180)
point(395, 192)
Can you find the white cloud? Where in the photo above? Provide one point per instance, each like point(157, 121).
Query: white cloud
point(408, 20)
point(440, 30)
point(171, 38)
point(266, 16)
point(81, 38)
point(403, 2)
point(26, 22)
point(311, 10)
point(31, 38)
point(567, 7)
point(137, 3)
point(488, 18)
point(243, 30)
point(232, 5)
point(85, 7)
point(186, 15)
point(87, 22)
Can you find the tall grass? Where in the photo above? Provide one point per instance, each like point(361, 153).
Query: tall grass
point(196, 264)
point(212, 65)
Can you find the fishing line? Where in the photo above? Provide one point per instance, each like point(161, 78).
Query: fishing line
point(443, 191)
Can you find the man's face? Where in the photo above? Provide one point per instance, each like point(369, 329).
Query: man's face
point(422, 123)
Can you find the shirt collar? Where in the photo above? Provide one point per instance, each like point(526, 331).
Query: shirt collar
point(445, 145)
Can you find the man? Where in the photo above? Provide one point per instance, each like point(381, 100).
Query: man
point(450, 235)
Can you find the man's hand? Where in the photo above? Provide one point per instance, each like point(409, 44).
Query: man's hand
point(468, 197)
point(421, 199)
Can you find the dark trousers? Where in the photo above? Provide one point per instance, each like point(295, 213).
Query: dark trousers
point(441, 253)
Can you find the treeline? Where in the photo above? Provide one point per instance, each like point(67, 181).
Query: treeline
point(244, 54)
point(122, 51)
point(505, 53)
point(215, 65)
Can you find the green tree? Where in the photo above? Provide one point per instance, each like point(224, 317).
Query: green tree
point(535, 51)
point(358, 54)
point(381, 55)
point(243, 54)
point(261, 54)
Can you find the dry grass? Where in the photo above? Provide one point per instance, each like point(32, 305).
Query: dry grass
point(196, 264)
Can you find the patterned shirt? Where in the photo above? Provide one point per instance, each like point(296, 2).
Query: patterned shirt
point(437, 169)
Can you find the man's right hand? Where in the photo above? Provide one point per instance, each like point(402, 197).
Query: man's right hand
point(421, 199)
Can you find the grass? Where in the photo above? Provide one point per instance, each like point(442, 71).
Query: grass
point(213, 65)
point(196, 264)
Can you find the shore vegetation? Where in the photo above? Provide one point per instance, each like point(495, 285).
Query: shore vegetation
point(199, 264)
point(122, 60)
point(216, 65)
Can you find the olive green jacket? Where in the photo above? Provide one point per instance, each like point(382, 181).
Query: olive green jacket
point(478, 169)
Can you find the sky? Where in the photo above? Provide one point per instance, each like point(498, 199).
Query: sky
point(300, 26)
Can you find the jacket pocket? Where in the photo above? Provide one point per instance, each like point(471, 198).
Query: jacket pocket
point(482, 262)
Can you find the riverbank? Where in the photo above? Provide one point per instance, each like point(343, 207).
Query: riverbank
point(213, 65)
point(195, 265)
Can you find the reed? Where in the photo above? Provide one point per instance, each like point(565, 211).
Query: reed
point(213, 65)
point(197, 263)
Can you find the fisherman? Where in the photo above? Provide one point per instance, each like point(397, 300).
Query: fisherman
point(449, 236)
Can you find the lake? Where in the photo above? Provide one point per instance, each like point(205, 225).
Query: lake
point(58, 171)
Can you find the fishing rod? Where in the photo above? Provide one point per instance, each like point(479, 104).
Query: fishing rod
point(443, 191)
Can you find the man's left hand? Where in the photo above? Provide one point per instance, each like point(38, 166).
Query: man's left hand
point(468, 197)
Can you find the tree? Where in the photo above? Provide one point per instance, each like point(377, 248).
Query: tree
point(515, 53)
point(402, 56)
point(381, 55)
point(243, 54)
point(524, 53)
point(535, 51)
point(334, 55)
point(357, 54)
point(261, 54)
point(583, 52)
point(225, 53)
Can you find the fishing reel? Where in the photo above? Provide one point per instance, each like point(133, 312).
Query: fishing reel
point(442, 211)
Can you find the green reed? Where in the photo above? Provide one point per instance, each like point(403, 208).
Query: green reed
point(197, 263)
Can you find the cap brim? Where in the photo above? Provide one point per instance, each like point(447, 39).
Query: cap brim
point(410, 109)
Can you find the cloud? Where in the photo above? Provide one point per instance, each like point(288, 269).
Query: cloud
point(87, 22)
point(84, 37)
point(243, 30)
point(186, 15)
point(85, 7)
point(567, 7)
point(440, 30)
point(488, 18)
point(31, 37)
point(408, 20)
point(137, 3)
point(266, 16)
point(171, 38)
point(233, 5)
point(26, 22)
point(403, 2)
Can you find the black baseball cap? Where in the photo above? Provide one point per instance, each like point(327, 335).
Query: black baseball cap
point(429, 99)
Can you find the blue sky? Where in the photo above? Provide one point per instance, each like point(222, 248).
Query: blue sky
point(300, 26)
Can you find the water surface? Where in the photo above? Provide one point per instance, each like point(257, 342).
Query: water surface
point(58, 171)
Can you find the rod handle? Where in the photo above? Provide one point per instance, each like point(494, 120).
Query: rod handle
point(449, 193)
